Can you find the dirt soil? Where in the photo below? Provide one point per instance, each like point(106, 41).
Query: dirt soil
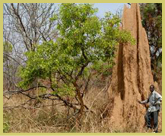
point(131, 76)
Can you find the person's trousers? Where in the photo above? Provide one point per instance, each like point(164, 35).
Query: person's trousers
point(152, 115)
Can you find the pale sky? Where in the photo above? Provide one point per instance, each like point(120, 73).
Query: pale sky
point(112, 7)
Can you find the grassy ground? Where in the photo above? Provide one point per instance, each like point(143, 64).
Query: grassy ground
point(52, 117)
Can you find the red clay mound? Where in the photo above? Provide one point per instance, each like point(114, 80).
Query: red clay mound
point(131, 76)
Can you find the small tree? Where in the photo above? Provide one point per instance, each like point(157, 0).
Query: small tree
point(85, 42)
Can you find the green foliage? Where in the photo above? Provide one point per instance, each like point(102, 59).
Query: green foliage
point(5, 127)
point(6, 123)
point(40, 63)
point(152, 22)
point(7, 49)
point(65, 90)
point(84, 42)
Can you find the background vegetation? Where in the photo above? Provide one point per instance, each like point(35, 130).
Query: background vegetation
point(58, 63)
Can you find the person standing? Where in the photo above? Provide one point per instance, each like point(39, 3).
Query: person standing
point(154, 101)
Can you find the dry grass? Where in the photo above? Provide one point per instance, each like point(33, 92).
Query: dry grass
point(45, 118)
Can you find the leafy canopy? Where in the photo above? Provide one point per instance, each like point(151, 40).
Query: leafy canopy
point(84, 42)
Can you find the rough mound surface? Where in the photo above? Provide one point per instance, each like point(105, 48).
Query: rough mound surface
point(131, 75)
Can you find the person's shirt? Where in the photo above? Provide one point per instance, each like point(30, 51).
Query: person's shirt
point(154, 101)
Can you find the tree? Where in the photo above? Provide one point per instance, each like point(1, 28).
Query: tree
point(152, 22)
point(24, 26)
point(84, 42)
point(29, 21)
point(7, 50)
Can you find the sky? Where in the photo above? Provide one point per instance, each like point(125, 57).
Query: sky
point(104, 7)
